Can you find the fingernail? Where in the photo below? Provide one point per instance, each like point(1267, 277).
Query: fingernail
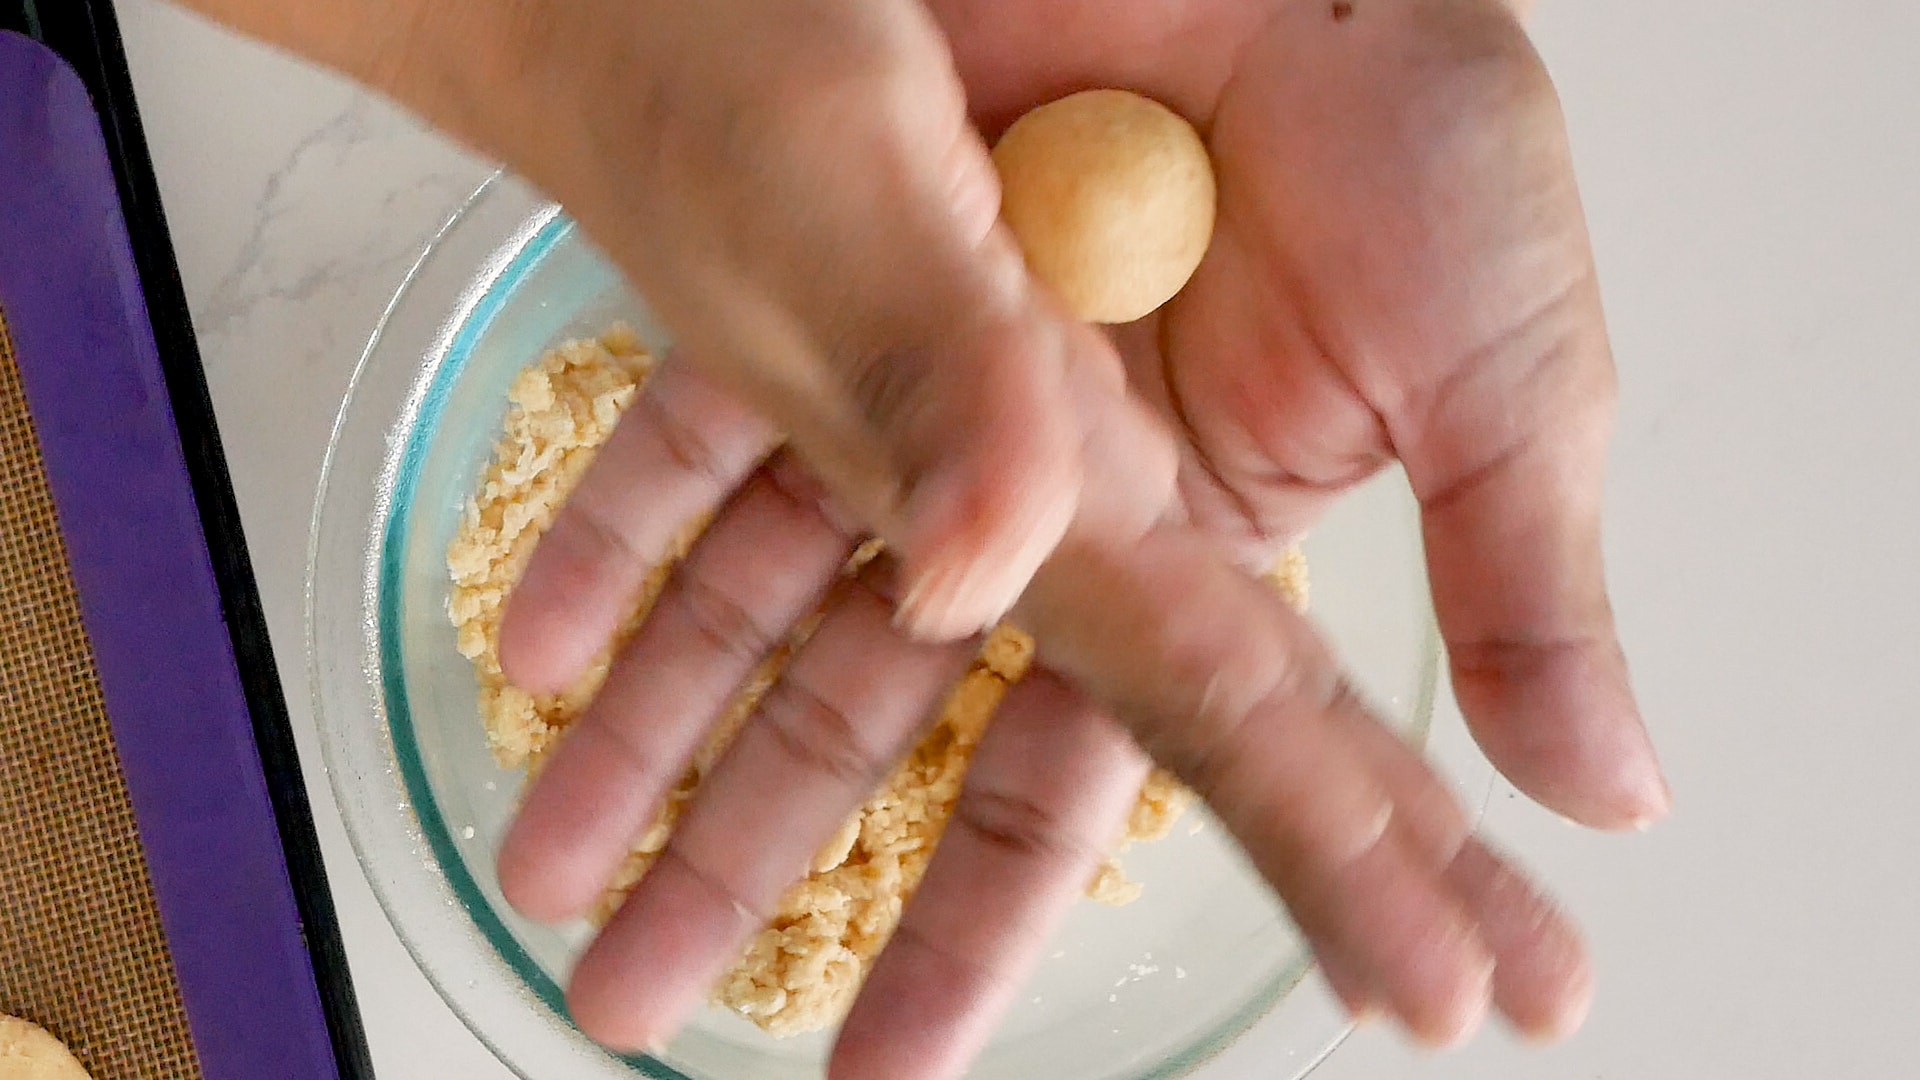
point(1365, 1015)
point(938, 607)
point(1659, 811)
point(954, 602)
point(966, 580)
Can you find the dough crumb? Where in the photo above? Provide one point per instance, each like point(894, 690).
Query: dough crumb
point(800, 972)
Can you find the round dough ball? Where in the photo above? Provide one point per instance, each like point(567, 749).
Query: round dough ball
point(28, 1052)
point(1111, 196)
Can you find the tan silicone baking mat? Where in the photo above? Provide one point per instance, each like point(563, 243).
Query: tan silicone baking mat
point(81, 948)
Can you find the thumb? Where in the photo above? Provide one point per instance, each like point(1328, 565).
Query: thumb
point(1510, 483)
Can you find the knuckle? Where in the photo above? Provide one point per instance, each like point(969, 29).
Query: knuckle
point(1021, 827)
point(685, 444)
point(721, 891)
point(1215, 751)
point(582, 551)
point(817, 736)
point(889, 393)
point(1530, 654)
point(723, 621)
point(619, 739)
point(792, 481)
point(1012, 371)
point(906, 372)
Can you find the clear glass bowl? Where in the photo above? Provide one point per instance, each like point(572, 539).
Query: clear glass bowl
point(426, 805)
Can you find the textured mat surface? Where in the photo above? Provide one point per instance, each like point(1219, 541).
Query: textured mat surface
point(81, 947)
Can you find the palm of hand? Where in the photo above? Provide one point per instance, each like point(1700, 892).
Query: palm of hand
point(1399, 269)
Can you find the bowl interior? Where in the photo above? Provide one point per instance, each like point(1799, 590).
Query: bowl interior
point(1140, 991)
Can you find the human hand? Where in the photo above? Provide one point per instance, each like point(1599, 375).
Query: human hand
point(1373, 291)
point(1400, 270)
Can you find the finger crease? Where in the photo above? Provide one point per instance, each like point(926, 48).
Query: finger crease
point(723, 621)
point(720, 890)
point(1453, 377)
point(817, 735)
point(1210, 763)
point(618, 737)
point(1465, 483)
point(685, 446)
point(1511, 655)
point(1021, 827)
point(604, 536)
point(1541, 357)
point(807, 495)
point(1176, 404)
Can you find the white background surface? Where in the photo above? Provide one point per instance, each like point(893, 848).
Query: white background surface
point(1750, 172)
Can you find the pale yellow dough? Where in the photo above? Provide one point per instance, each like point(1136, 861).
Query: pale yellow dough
point(799, 973)
point(1111, 196)
point(29, 1052)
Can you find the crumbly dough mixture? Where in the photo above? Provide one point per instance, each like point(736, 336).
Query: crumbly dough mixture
point(800, 973)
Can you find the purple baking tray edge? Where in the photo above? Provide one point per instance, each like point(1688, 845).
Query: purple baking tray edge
point(147, 592)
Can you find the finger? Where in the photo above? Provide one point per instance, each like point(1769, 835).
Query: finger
point(1543, 981)
point(1427, 819)
point(846, 709)
point(1426, 811)
point(1501, 412)
point(990, 472)
point(1231, 690)
point(1409, 939)
point(1046, 795)
point(1350, 984)
point(1510, 476)
point(682, 447)
point(761, 567)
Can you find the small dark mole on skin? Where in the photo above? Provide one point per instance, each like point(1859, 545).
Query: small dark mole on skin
point(1342, 10)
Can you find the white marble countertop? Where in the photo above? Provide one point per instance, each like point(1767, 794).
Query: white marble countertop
point(1749, 169)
